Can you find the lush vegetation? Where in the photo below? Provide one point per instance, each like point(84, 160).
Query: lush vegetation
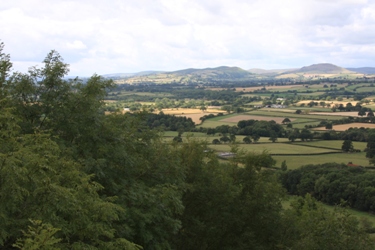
point(72, 177)
point(333, 183)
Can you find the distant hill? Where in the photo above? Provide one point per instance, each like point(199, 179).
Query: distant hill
point(124, 75)
point(363, 70)
point(323, 68)
point(269, 71)
point(225, 73)
point(220, 72)
point(192, 75)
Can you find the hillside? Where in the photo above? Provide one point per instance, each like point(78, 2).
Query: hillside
point(269, 71)
point(323, 68)
point(193, 75)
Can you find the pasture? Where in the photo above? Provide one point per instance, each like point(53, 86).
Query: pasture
point(296, 161)
point(334, 144)
point(274, 148)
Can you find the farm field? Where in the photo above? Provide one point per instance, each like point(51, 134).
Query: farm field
point(236, 119)
point(295, 161)
point(343, 127)
point(274, 148)
point(346, 114)
point(194, 114)
point(336, 144)
point(290, 114)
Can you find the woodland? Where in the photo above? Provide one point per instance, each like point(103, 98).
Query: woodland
point(75, 177)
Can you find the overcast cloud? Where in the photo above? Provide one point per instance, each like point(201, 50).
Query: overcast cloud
point(123, 36)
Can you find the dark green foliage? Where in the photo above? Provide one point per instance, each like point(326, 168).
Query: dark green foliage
point(307, 225)
point(227, 206)
point(347, 146)
point(331, 183)
point(168, 122)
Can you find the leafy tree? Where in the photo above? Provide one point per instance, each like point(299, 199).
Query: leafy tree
point(5, 66)
point(361, 112)
point(246, 140)
point(310, 226)
point(329, 126)
point(284, 167)
point(273, 136)
point(347, 146)
point(216, 141)
point(298, 111)
point(224, 139)
point(286, 120)
point(255, 137)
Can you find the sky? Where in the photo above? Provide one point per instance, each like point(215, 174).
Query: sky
point(127, 36)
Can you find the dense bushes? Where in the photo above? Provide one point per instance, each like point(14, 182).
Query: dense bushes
point(333, 183)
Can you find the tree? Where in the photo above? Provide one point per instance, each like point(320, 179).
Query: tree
point(370, 114)
point(215, 141)
point(224, 139)
point(273, 136)
point(329, 126)
point(246, 140)
point(298, 111)
point(361, 112)
point(5, 66)
point(286, 120)
point(203, 108)
point(177, 139)
point(255, 137)
point(347, 146)
point(310, 226)
point(284, 167)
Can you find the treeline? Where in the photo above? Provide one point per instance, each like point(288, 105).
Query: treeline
point(333, 184)
point(258, 128)
point(72, 177)
point(165, 122)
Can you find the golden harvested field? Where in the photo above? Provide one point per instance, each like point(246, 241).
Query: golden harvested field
point(238, 118)
point(194, 114)
point(251, 89)
point(343, 127)
point(332, 103)
point(354, 114)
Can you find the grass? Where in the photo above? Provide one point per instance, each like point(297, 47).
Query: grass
point(273, 148)
point(335, 144)
point(296, 161)
point(289, 114)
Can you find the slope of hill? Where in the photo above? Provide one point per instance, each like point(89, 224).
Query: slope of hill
point(323, 68)
point(269, 71)
point(124, 75)
point(363, 70)
point(193, 75)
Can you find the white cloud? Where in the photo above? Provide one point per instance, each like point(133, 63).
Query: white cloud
point(135, 35)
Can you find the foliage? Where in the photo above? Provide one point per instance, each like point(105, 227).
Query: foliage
point(331, 183)
point(310, 226)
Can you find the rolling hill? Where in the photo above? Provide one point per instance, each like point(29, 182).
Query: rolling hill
point(323, 68)
point(225, 73)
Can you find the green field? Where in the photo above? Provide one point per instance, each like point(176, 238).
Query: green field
point(291, 114)
point(296, 161)
point(274, 148)
point(336, 144)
